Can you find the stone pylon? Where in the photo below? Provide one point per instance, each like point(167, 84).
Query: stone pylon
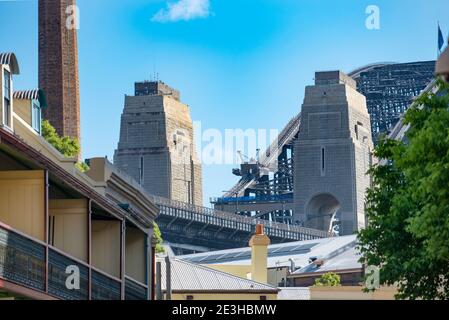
point(156, 145)
point(332, 155)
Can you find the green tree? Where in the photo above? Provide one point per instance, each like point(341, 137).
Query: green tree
point(408, 205)
point(158, 235)
point(69, 147)
point(329, 279)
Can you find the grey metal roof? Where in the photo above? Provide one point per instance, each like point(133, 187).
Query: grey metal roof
point(345, 258)
point(294, 293)
point(187, 276)
point(279, 255)
point(10, 59)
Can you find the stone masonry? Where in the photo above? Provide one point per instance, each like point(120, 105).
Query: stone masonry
point(58, 67)
point(332, 154)
point(156, 145)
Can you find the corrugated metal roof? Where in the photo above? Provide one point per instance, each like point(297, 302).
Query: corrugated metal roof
point(343, 259)
point(187, 276)
point(10, 59)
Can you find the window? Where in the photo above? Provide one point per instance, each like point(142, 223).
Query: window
point(7, 98)
point(323, 168)
point(141, 170)
point(36, 116)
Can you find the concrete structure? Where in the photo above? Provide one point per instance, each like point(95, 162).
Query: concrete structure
point(332, 155)
point(53, 216)
point(156, 145)
point(58, 65)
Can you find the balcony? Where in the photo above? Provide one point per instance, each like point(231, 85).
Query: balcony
point(54, 225)
point(23, 262)
point(80, 234)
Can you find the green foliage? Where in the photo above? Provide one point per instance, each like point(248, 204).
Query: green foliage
point(82, 166)
point(158, 235)
point(408, 205)
point(67, 146)
point(329, 279)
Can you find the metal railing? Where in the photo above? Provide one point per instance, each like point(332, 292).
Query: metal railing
point(233, 221)
point(135, 290)
point(57, 276)
point(22, 260)
point(105, 287)
point(254, 199)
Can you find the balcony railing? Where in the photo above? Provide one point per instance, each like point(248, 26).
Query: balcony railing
point(105, 287)
point(135, 290)
point(57, 277)
point(22, 260)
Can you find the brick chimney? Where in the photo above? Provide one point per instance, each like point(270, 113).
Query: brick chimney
point(259, 254)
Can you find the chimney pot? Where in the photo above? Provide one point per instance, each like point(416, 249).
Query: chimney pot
point(259, 228)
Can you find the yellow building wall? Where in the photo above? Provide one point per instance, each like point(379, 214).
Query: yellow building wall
point(106, 246)
point(351, 293)
point(22, 201)
point(135, 254)
point(242, 271)
point(70, 226)
point(223, 296)
point(23, 109)
point(275, 276)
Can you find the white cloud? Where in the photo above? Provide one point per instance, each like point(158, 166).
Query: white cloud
point(183, 10)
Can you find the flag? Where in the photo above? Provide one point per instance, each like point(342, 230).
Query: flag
point(440, 38)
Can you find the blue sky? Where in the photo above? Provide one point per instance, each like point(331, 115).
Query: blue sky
point(238, 63)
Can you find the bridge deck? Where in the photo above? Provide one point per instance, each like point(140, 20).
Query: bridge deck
point(181, 222)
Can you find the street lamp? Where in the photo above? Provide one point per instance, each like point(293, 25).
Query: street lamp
point(442, 65)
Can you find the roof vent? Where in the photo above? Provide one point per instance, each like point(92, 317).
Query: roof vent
point(318, 262)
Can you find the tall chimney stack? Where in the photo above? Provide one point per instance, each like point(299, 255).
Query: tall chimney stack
point(58, 65)
point(259, 254)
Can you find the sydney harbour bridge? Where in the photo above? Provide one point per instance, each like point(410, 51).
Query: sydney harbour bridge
point(265, 192)
point(389, 89)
